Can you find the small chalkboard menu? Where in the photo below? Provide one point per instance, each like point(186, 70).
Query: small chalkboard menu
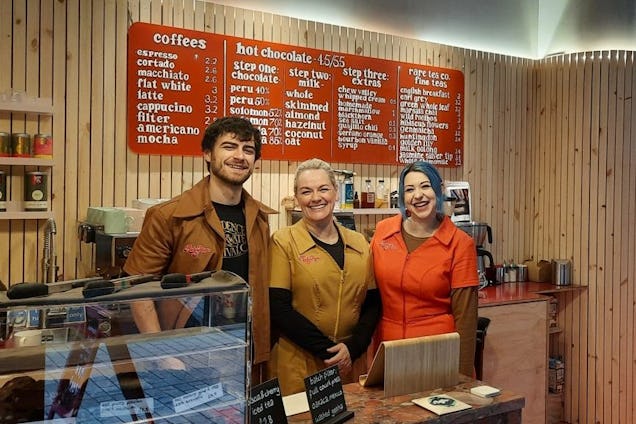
point(326, 397)
point(266, 404)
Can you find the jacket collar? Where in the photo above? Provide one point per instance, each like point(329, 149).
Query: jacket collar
point(300, 233)
point(444, 233)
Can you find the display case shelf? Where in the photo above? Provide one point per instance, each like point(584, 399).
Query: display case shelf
point(82, 358)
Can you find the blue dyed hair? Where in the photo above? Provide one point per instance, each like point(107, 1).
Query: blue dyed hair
point(431, 172)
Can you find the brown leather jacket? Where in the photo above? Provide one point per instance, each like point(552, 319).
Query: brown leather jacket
point(185, 235)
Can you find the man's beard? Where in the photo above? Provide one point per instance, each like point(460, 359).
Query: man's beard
point(219, 173)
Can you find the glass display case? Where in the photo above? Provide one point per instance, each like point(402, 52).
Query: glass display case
point(70, 357)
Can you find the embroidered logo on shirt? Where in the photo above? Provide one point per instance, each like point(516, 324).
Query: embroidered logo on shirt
point(309, 259)
point(387, 245)
point(197, 250)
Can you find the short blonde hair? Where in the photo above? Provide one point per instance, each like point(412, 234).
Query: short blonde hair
point(315, 163)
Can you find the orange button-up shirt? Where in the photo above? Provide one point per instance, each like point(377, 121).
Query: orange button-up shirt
point(416, 287)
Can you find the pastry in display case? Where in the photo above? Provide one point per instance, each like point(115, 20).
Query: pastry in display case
point(77, 356)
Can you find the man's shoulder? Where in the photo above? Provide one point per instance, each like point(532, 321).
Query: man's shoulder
point(165, 209)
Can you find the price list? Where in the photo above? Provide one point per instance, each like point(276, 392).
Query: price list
point(175, 88)
point(306, 102)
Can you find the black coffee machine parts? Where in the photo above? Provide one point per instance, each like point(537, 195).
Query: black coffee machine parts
point(481, 232)
point(481, 264)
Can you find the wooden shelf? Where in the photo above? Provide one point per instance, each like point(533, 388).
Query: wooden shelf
point(25, 161)
point(363, 211)
point(41, 106)
point(15, 211)
point(26, 215)
point(372, 211)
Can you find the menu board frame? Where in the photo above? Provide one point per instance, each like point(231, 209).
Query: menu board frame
point(307, 102)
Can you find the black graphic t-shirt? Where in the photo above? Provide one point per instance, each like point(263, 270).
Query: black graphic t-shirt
point(235, 256)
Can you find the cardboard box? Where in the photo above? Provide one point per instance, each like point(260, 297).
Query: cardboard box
point(541, 271)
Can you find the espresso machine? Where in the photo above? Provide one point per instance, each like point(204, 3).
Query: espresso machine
point(480, 232)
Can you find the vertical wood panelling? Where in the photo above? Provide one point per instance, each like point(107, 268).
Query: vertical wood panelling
point(631, 252)
point(69, 73)
point(19, 230)
point(628, 232)
point(32, 73)
point(549, 151)
point(612, 266)
point(107, 110)
point(6, 40)
point(123, 179)
point(94, 147)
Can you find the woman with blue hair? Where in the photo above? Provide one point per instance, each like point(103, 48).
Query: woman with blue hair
point(425, 267)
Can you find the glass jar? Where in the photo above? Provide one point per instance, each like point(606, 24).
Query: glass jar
point(368, 195)
point(380, 195)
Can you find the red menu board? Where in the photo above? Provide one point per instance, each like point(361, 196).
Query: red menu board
point(306, 102)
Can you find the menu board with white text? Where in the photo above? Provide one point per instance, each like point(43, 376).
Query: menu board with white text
point(306, 102)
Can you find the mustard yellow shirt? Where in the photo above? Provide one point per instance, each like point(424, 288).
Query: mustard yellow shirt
point(329, 297)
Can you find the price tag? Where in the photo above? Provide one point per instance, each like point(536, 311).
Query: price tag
point(266, 404)
point(326, 397)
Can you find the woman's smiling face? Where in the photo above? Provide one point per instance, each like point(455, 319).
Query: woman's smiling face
point(316, 195)
point(419, 197)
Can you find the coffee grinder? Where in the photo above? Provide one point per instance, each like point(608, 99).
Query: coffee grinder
point(479, 231)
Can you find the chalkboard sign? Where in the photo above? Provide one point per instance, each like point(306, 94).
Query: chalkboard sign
point(326, 397)
point(266, 404)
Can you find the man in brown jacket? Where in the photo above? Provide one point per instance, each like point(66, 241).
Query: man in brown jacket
point(214, 225)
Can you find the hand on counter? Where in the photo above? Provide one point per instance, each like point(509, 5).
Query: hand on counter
point(342, 358)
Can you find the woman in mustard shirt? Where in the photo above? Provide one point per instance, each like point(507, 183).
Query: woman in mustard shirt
point(323, 299)
point(425, 267)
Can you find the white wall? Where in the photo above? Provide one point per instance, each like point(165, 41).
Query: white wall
point(523, 28)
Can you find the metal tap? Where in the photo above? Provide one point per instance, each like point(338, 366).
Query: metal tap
point(49, 259)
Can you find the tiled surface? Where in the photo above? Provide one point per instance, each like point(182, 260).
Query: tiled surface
point(210, 358)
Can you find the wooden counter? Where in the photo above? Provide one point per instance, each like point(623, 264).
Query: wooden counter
point(516, 345)
point(509, 293)
point(370, 406)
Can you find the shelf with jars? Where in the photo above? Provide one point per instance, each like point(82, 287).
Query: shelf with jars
point(35, 202)
point(19, 153)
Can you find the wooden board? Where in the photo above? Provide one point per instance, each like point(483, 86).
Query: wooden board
point(516, 346)
point(414, 365)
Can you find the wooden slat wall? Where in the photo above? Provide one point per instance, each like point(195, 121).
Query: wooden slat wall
point(549, 152)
